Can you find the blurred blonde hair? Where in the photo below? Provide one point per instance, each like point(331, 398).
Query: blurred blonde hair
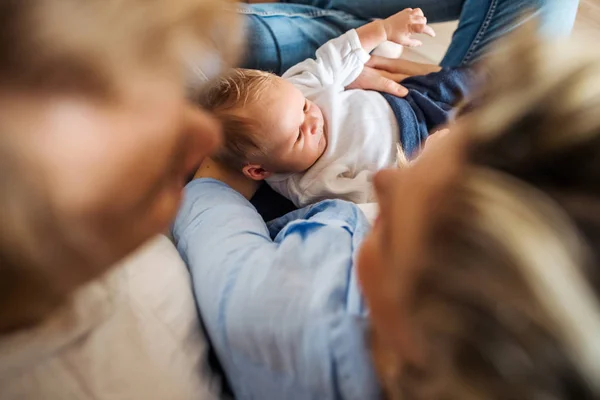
point(83, 48)
point(507, 298)
point(87, 46)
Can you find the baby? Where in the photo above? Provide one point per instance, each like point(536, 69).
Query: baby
point(309, 137)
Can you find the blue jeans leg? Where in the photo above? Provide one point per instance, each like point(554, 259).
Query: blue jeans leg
point(435, 10)
point(484, 21)
point(280, 35)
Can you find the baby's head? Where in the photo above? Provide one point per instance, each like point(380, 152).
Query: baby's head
point(268, 125)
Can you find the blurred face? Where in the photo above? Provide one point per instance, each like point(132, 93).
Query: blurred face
point(388, 262)
point(113, 173)
point(294, 128)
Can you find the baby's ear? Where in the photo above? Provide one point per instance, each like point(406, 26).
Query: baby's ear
point(256, 172)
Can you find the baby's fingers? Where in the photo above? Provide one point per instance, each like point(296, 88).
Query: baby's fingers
point(418, 20)
point(425, 29)
point(410, 42)
point(417, 12)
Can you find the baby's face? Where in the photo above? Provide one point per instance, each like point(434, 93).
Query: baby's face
point(293, 126)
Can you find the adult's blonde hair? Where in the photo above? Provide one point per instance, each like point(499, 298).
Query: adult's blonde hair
point(87, 46)
point(83, 48)
point(507, 297)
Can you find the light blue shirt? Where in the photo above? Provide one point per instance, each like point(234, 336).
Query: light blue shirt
point(281, 304)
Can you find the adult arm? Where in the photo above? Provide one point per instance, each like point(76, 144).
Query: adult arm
point(281, 304)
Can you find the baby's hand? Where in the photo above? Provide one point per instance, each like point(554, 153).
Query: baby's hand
point(400, 27)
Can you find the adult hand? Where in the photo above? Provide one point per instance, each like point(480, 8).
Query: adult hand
point(384, 74)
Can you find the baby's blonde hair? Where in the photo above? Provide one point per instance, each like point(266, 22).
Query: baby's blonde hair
point(225, 98)
point(507, 298)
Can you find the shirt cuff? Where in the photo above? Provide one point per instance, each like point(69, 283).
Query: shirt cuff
point(356, 47)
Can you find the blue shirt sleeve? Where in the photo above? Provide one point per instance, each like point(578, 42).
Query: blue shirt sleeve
point(281, 303)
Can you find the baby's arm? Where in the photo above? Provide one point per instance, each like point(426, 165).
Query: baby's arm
point(340, 61)
point(398, 28)
point(337, 63)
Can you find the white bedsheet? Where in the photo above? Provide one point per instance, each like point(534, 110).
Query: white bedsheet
point(132, 335)
point(371, 210)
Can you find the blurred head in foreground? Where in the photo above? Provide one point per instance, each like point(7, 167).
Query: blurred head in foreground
point(482, 271)
point(97, 137)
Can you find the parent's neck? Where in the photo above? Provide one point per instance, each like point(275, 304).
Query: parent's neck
point(236, 180)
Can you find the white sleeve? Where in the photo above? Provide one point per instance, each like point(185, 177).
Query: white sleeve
point(331, 184)
point(338, 63)
point(357, 189)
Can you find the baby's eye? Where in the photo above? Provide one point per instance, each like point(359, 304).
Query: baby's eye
point(299, 135)
point(305, 106)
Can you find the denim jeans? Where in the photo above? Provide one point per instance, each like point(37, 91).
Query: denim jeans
point(282, 34)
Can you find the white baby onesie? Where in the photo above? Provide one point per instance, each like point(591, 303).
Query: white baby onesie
point(361, 128)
